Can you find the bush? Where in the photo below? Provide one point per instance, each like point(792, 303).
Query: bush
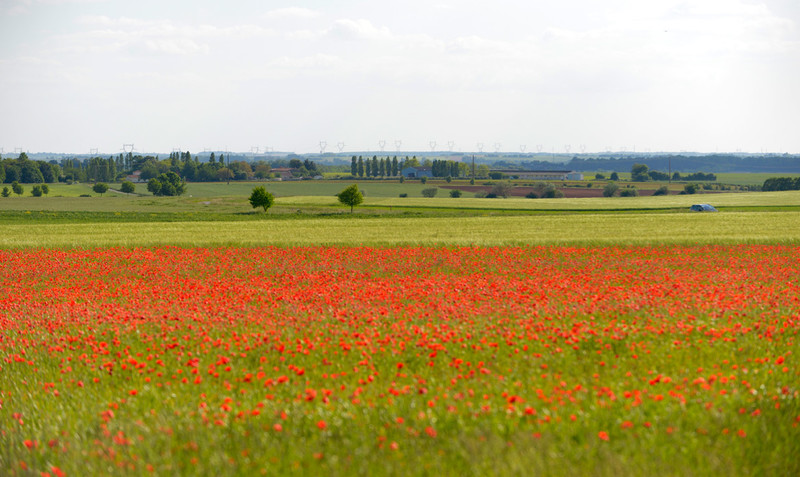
point(531, 195)
point(6, 192)
point(690, 189)
point(614, 176)
point(599, 176)
point(448, 179)
point(128, 187)
point(36, 191)
point(455, 193)
point(17, 188)
point(551, 192)
point(491, 195)
point(629, 192)
point(423, 179)
point(430, 192)
point(610, 189)
point(496, 175)
point(403, 195)
point(502, 189)
point(663, 190)
point(261, 198)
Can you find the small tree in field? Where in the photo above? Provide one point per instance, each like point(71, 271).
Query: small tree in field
point(36, 191)
point(610, 189)
point(128, 187)
point(100, 188)
point(261, 198)
point(17, 188)
point(45, 189)
point(6, 192)
point(430, 192)
point(350, 196)
point(455, 193)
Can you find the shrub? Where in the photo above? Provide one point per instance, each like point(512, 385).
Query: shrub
point(403, 195)
point(128, 187)
point(455, 193)
point(610, 189)
point(690, 189)
point(663, 190)
point(36, 191)
point(17, 188)
point(6, 192)
point(261, 198)
point(491, 195)
point(423, 179)
point(496, 175)
point(629, 192)
point(430, 192)
point(531, 195)
point(599, 176)
point(614, 176)
point(550, 192)
point(502, 189)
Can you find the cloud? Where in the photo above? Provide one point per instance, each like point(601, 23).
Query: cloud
point(360, 29)
point(291, 12)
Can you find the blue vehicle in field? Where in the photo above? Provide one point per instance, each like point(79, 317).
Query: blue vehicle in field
point(703, 208)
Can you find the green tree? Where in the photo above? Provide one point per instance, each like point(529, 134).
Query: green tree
point(6, 192)
point(610, 189)
point(614, 176)
point(350, 196)
point(168, 183)
point(502, 189)
point(690, 189)
point(100, 188)
point(663, 190)
point(360, 166)
point(17, 188)
point(36, 191)
point(455, 193)
point(375, 166)
point(354, 166)
point(45, 189)
point(632, 192)
point(639, 173)
point(154, 186)
point(128, 187)
point(261, 198)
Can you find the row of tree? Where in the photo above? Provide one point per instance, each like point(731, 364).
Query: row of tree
point(642, 173)
point(781, 183)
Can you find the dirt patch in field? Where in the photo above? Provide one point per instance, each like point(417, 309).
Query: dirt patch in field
point(569, 192)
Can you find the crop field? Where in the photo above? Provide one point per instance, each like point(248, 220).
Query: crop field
point(407, 360)
point(146, 335)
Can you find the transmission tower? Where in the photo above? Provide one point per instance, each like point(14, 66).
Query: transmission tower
point(382, 145)
point(322, 146)
point(522, 148)
point(127, 148)
point(433, 145)
point(497, 147)
point(340, 146)
point(539, 148)
point(397, 144)
point(450, 145)
point(93, 151)
point(480, 147)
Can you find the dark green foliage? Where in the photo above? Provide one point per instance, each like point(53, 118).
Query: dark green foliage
point(168, 183)
point(663, 190)
point(17, 188)
point(531, 195)
point(261, 198)
point(689, 189)
point(423, 179)
point(455, 193)
point(430, 192)
point(100, 188)
point(36, 191)
point(350, 196)
point(658, 175)
point(610, 189)
point(45, 189)
point(632, 192)
point(599, 176)
point(781, 183)
point(502, 189)
point(614, 176)
point(6, 192)
point(639, 173)
point(128, 187)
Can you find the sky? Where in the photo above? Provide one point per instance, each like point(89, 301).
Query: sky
point(413, 75)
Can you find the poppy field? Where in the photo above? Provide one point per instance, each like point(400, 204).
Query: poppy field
point(553, 360)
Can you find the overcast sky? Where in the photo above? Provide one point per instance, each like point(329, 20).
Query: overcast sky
point(654, 75)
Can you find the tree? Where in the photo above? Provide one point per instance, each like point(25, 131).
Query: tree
point(455, 193)
point(502, 189)
point(17, 188)
point(6, 192)
point(663, 190)
point(353, 166)
point(350, 196)
point(639, 173)
point(690, 189)
point(261, 198)
point(36, 191)
point(45, 189)
point(225, 174)
point(430, 192)
point(100, 188)
point(629, 192)
point(610, 189)
point(168, 183)
point(360, 166)
point(127, 187)
point(614, 176)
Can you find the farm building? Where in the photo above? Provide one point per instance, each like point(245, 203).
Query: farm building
point(544, 175)
point(414, 172)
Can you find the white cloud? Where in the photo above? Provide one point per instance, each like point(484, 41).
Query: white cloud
point(291, 12)
point(360, 29)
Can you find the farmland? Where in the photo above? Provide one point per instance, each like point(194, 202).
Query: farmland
point(192, 335)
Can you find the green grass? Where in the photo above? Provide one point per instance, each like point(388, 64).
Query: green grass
point(561, 229)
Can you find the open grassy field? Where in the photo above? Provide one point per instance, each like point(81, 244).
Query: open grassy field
point(195, 336)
